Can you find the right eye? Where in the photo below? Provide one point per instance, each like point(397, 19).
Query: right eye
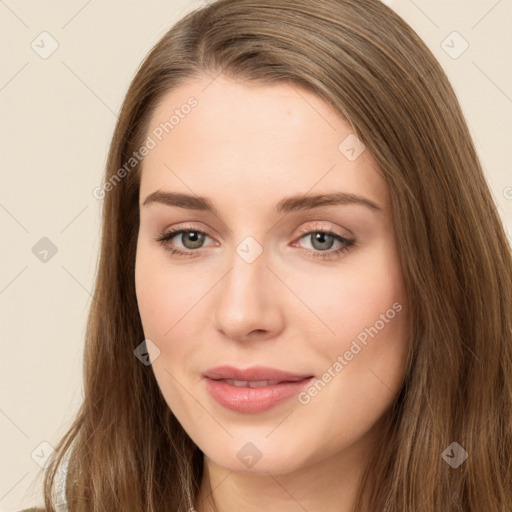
point(191, 239)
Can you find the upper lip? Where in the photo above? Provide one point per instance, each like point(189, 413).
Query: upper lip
point(254, 373)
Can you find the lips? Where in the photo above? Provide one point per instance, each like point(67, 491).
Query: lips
point(253, 374)
point(250, 383)
point(255, 389)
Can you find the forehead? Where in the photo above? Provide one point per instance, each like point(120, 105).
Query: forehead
point(235, 141)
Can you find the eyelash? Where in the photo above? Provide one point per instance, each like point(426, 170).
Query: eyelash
point(165, 237)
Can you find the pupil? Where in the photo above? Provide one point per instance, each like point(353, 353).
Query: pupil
point(193, 240)
point(321, 239)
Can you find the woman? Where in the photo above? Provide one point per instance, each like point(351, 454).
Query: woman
point(304, 290)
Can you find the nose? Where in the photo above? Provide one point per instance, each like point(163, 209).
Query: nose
point(248, 301)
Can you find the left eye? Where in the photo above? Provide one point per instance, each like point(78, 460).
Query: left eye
point(322, 241)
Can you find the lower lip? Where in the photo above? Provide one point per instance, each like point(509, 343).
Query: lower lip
point(252, 400)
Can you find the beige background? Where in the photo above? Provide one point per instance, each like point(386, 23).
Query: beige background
point(58, 115)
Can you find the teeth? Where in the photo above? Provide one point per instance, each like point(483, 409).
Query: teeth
point(251, 384)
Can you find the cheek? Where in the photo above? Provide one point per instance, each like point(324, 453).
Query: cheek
point(165, 299)
point(362, 365)
point(366, 294)
point(364, 308)
point(164, 294)
point(151, 295)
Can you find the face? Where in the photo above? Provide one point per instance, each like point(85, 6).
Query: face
point(239, 265)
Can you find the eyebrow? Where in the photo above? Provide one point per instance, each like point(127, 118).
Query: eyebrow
point(286, 205)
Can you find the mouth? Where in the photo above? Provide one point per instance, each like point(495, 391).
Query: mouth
point(255, 389)
point(253, 374)
point(250, 383)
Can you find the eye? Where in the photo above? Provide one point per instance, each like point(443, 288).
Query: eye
point(191, 239)
point(322, 242)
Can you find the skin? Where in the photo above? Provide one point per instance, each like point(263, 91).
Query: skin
point(246, 147)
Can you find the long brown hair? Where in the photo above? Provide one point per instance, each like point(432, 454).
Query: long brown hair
point(127, 452)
